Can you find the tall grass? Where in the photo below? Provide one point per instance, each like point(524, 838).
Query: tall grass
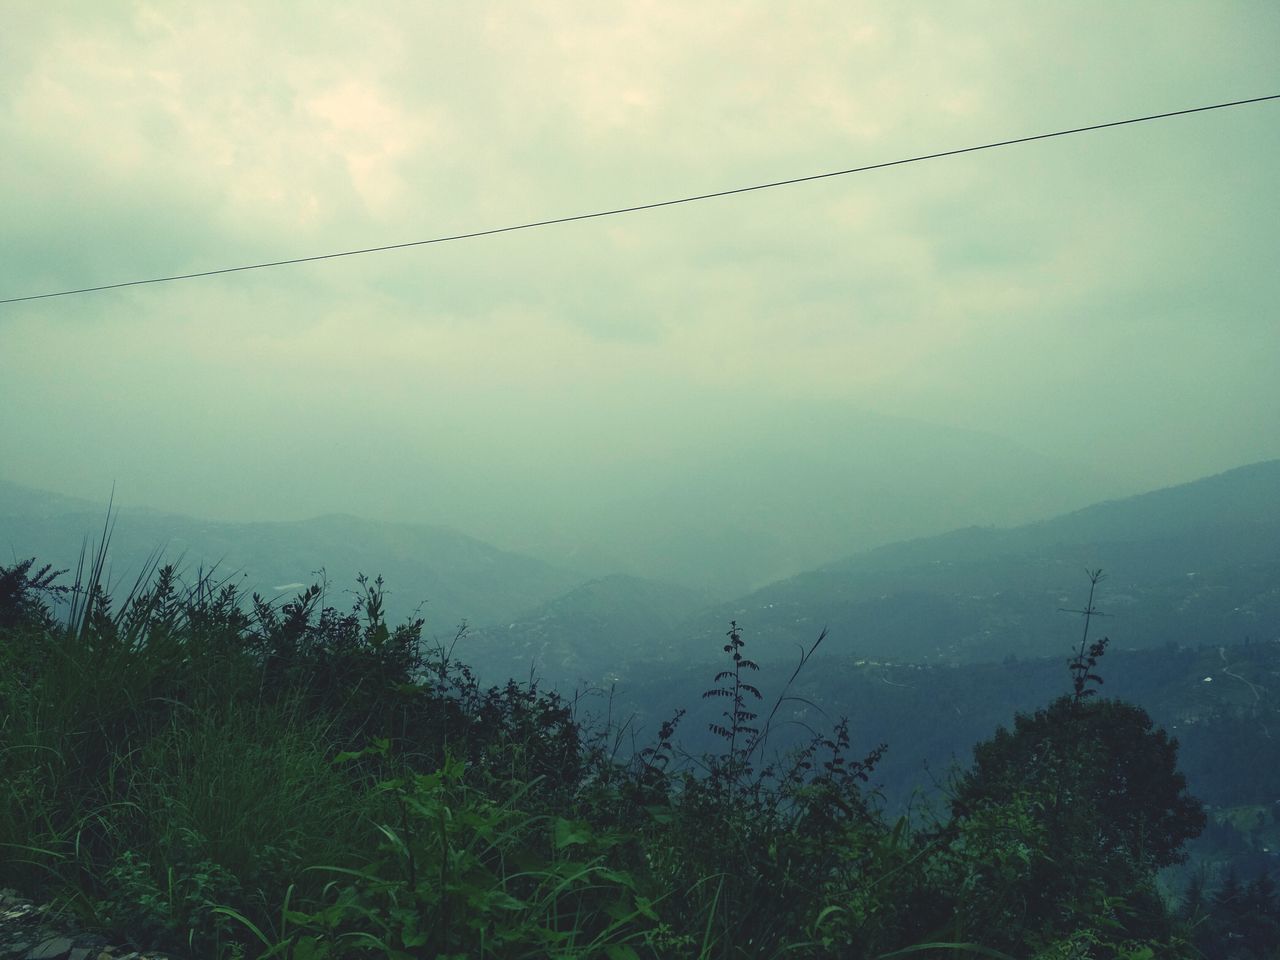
point(224, 777)
point(194, 777)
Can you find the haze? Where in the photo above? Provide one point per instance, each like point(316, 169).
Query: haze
point(977, 339)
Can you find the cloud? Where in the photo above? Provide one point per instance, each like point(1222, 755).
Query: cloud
point(988, 291)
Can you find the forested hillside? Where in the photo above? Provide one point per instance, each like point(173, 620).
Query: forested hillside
point(1190, 565)
point(1222, 703)
point(1198, 563)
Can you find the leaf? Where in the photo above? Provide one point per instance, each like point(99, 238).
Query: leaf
point(380, 747)
point(569, 832)
point(620, 877)
point(491, 900)
point(963, 947)
point(826, 912)
point(620, 951)
point(236, 915)
point(660, 814)
point(311, 948)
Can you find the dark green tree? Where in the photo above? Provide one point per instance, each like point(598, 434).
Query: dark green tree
point(1061, 823)
point(24, 594)
point(1103, 759)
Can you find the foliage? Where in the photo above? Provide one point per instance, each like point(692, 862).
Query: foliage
point(1086, 659)
point(739, 719)
point(221, 777)
point(22, 593)
point(1070, 814)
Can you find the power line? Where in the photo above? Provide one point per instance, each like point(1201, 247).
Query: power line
point(643, 206)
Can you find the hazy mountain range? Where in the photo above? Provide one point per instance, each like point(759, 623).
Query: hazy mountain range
point(1195, 563)
point(765, 490)
point(1199, 562)
point(451, 576)
point(735, 495)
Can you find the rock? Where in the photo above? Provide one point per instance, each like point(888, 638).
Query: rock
point(32, 932)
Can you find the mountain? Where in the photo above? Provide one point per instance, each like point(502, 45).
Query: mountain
point(1195, 563)
point(451, 576)
point(762, 489)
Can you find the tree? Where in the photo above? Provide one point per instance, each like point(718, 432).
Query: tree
point(1086, 798)
point(21, 603)
point(1104, 758)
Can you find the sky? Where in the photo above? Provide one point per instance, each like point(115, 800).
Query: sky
point(1104, 302)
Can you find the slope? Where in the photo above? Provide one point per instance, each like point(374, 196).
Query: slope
point(1199, 562)
point(457, 577)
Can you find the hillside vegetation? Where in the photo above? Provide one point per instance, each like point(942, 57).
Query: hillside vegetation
point(225, 777)
point(1188, 565)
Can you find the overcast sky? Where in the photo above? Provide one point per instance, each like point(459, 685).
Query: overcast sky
point(1108, 298)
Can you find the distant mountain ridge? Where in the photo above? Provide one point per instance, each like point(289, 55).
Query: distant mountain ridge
point(1243, 497)
point(766, 488)
point(1246, 494)
point(449, 575)
point(1183, 563)
point(18, 501)
point(1198, 562)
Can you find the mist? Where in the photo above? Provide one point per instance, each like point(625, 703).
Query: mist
point(724, 393)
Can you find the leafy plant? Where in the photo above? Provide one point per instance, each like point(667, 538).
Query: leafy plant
point(1086, 659)
point(738, 719)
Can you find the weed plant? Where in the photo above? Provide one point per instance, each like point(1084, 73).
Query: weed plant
point(220, 776)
